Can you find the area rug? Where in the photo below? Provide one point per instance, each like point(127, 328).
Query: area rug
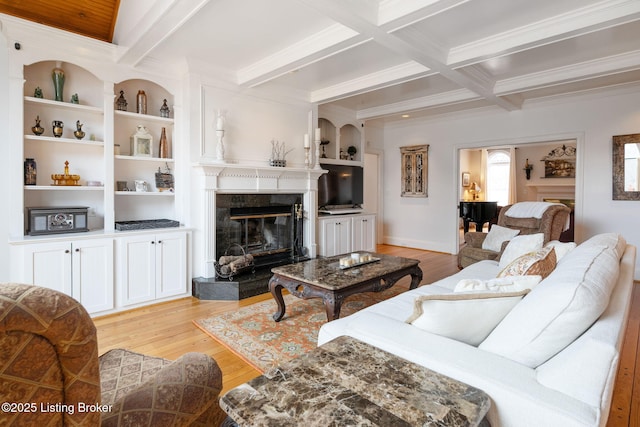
point(252, 334)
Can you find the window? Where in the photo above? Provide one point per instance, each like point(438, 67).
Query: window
point(498, 162)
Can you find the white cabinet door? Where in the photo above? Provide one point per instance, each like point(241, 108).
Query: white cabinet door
point(364, 229)
point(171, 264)
point(335, 236)
point(92, 278)
point(49, 265)
point(136, 265)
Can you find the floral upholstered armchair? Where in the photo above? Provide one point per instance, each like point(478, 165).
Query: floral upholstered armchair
point(51, 374)
point(550, 219)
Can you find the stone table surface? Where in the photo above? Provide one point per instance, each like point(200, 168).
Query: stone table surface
point(346, 382)
point(326, 272)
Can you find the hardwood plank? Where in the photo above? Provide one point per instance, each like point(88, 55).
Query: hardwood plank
point(166, 330)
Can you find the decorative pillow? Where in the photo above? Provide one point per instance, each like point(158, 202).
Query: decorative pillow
point(541, 262)
point(561, 248)
point(468, 317)
point(497, 235)
point(560, 308)
point(503, 284)
point(519, 246)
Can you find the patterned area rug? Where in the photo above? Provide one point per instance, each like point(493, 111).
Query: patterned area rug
point(251, 333)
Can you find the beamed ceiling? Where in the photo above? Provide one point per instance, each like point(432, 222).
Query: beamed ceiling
point(380, 58)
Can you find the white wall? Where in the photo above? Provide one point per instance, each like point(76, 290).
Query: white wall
point(4, 149)
point(590, 118)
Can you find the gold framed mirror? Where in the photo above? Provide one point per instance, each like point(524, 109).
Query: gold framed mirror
point(626, 167)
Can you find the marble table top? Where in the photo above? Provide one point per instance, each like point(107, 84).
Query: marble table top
point(346, 383)
point(326, 272)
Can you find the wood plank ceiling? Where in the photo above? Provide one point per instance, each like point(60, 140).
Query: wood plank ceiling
point(91, 18)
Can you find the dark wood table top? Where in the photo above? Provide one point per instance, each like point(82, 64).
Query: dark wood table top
point(347, 382)
point(326, 272)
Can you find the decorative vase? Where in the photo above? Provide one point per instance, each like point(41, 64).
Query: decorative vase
point(30, 172)
point(141, 102)
point(37, 129)
point(78, 133)
point(163, 145)
point(57, 74)
point(58, 126)
point(164, 110)
point(121, 103)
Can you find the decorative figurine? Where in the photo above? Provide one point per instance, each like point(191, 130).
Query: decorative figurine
point(121, 103)
point(37, 129)
point(37, 93)
point(74, 99)
point(57, 128)
point(164, 110)
point(78, 133)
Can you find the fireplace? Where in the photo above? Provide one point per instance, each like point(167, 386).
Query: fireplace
point(264, 226)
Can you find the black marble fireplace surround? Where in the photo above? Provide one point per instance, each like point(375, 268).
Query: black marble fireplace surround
point(263, 225)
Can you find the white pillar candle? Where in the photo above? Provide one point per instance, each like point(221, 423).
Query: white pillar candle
point(317, 134)
point(306, 140)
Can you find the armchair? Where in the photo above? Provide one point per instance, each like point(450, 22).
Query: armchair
point(49, 365)
point(551, 223)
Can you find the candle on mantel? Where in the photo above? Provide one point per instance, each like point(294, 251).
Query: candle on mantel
point(220, 122)
point(306, 140)
point(317, 134)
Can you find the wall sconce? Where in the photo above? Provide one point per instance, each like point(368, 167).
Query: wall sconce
point(474, 189)
point(528, 168)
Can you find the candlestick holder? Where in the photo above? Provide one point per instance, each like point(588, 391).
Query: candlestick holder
point(220, 145)
point(317, 159)
point(307, 157)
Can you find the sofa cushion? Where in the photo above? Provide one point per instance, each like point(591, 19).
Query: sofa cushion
point(502, 284)
point(561, 248)
point(497, 235)
point(464, 316)
point(560, 308)
point(519, 246)
point(540, 262)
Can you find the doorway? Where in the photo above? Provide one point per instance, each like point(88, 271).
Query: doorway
point(373, 189)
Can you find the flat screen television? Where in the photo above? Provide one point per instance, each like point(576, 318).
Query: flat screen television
point(342, 187)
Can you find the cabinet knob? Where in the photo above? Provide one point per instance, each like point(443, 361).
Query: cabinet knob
point(77, 249)
point(153, 243)
point(67, 251)
point(159, 242)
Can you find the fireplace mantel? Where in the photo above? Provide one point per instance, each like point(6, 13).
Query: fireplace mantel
point(562, 190)
point(247, 178)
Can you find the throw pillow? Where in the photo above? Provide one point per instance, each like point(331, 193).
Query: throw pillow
point(541, 262)
point(497, 235)
point(503, 284)
point(466, 317)
point(519, 246)
point(561, 248)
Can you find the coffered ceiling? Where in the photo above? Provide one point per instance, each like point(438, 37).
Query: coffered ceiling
point(388, 58)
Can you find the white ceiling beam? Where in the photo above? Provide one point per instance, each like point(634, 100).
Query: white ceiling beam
point(439, 100)
point(378, 80)
point(414, 48)
point(571, 24)
point(571, 73)
point(323, 44)
point(400, 13)
point(156, 27)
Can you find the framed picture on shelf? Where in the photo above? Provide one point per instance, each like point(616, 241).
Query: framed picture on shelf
point(141, 142)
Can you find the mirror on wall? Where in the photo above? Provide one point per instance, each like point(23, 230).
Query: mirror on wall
point(626, 167)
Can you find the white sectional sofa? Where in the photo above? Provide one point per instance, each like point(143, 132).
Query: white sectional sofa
point(551, 361)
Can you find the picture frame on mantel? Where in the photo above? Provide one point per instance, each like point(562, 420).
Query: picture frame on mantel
point(415, 162)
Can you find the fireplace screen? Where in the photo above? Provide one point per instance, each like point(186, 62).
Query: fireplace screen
point(262, 226)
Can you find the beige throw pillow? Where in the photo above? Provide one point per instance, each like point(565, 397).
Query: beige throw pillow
point(497, 235)
point(541, 262)
point(467, 317)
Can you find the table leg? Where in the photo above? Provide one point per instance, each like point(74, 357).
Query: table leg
point(416, 277)
point(332, 306)
point(276, 291)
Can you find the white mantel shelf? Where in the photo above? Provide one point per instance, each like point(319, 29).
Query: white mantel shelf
point(248, 170)
point(561, 186)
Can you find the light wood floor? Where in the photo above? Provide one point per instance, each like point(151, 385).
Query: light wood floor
point(166, 330)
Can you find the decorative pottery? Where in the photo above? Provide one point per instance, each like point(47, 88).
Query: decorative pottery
point(75, 99)
point(78, 133)
point(58, 127)
point(163, 145)
point(141, 102)
point(30, 172)
point(57, 74)
point(121, 103)
point(37, 93)
point(37, 129)
point(164, 110)
point(141, 186)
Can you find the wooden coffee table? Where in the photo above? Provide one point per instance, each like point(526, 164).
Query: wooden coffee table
point(346, 382)
point(323, 278)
